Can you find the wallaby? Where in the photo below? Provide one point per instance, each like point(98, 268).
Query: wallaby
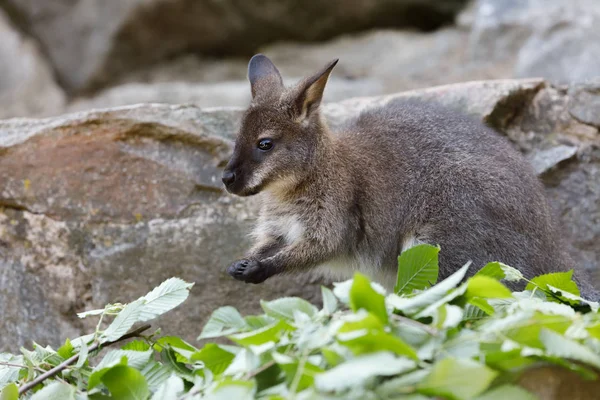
point(396, 176)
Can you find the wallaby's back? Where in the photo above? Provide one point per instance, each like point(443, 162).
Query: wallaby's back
point(444, 178)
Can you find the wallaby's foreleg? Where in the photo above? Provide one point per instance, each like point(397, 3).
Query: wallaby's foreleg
point(274, 258)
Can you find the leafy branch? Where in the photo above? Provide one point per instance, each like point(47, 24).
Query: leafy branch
point(461, 338)
point(95, 346)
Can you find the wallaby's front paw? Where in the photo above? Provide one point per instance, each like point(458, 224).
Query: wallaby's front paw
point(249, 271)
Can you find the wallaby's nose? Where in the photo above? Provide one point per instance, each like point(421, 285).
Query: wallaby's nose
point(228, 177)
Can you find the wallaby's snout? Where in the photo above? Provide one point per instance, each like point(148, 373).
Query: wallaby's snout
point(228, 178)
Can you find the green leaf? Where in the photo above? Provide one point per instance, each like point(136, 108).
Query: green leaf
point(231, 389)
point(560, 280)
point(373, 340)
point(214, 358)
point(136, 345)
point(283, 308)
point(417, 268)
point(270, 333)
point(83, 355)
point(55, 391)
point(126, 383)
point(330, 303)
point(123, 322)
point(362, 295)
point(505, 392)
point(457, 379)
point(10, 374)
point(258, 321)
point(66, 350)
point(499, 271)
point(170, 389)
point(183, 349)
point(156, 374)
point(164, 297)
point(487, 288)
point(10, 392)
point(354, 372)
point(405, 383)
point(559, 346)
point(482, 304)
point(223, 321)
point(574, 299)
point(137, 359)
point(292, 367)
point(411, 305)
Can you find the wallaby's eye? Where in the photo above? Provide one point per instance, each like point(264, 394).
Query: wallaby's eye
point(265, 144)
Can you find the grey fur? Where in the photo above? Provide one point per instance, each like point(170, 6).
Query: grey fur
point(408, 170)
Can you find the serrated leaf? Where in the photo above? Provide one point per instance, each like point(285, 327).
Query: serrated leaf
point(354, 372)
point(404, 383)
point(411, 305)
point(156, 374)
point(66, 350)
point(417, 268)
point(560, 280)
point(223, 321)
point(231, 389)
point(499, 271)
point(504, 392)
point(136, 345)
point(182, 349)
point(128, 316)
point(363, 296)
point(214, 358)
point(55, 391)
point(83, 355)
point(9, 374)
point(91, 312)
point(136, 359)
point(459, 379)
point(164, 298)
point(283, 308)
point(258, 321)
point(269, 333)
point(330, 303)
point(559, 346)
point(170, 389)
point(372, 340)
point(9, 392)
point(574, 299)
point(126, 383)
point(292, 368)
point(486, 288)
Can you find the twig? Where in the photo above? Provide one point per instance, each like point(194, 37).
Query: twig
point(432, 331)
point(257, 371)
point(56, 370)
point(13, 365)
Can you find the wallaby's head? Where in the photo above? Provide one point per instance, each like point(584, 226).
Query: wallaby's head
point(280, 133)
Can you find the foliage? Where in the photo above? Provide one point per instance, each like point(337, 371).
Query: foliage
point(459, 339)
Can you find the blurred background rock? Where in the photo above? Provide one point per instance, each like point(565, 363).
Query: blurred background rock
point(102, 206)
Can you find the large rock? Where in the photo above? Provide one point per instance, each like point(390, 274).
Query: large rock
point(102, 206)
point(89, 42)
point(554, 39)
point(371, 63)
point(27, 84)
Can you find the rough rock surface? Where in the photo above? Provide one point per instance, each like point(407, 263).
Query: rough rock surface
point(102, 206)
point(27, 85)
point(91, 41)
point(554, 39)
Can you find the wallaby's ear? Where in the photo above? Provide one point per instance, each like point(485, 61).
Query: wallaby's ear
point(263, 76)
point(310, 91)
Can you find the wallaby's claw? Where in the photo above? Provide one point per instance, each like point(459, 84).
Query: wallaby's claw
point(249, 271)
